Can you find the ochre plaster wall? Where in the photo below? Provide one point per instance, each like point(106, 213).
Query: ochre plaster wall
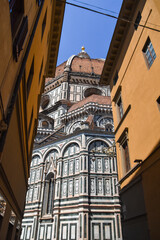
point(140, 88)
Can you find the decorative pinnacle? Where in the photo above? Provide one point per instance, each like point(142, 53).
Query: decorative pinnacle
point(83, 48)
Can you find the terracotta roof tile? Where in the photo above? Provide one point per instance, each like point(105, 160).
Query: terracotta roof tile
point(87, 65)
point(104, 100)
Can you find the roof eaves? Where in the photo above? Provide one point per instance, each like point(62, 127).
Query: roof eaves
point(128, 10)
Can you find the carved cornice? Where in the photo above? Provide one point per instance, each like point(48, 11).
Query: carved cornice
point(88, 108)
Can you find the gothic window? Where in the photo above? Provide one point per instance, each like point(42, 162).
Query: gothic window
point(96, 149)
point(71, 150)
point(97, 146)
point(48, 194)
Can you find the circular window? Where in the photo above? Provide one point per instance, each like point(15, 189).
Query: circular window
point(45, 101)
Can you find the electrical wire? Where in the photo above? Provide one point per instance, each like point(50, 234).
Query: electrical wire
point(109, 15)
point(87, 4)
point(107, 10)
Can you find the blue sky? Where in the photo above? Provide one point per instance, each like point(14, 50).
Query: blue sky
point(81, 27)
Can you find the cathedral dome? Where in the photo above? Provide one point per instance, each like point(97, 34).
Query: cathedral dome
point(81, 63)
point(102, 100)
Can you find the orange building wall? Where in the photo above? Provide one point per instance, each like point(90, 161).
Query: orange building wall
point(140, 88)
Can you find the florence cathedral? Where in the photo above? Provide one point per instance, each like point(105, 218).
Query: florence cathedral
point(73, 185)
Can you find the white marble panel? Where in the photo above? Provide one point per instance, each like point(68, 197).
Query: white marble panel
point(64, 188)
point(100, 186)
point(71, 167)
point(64, 232)
point(108, 186)
point(77, 165)
point(96, 231)
point(76, 186)
point(73, 231)
point(99, 164)
point(28, 232)
point(41, 232)
point(107, 232)
point(70, 190)
point(49, 228)
point(92, 185)
point(107, 165)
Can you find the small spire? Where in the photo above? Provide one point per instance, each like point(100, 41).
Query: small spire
point(83, 48)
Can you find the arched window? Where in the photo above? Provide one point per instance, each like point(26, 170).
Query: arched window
point(90, 91)
point(77, 129)
point(48, 197)
point(98, 163)
point(97, 146)
point(48, 194)
point(35, 161)
point(71, 150)
point(96, 155)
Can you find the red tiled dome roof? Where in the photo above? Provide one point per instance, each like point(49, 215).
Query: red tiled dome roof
point(87, 65)
point(81, 63)
point(104, 100)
